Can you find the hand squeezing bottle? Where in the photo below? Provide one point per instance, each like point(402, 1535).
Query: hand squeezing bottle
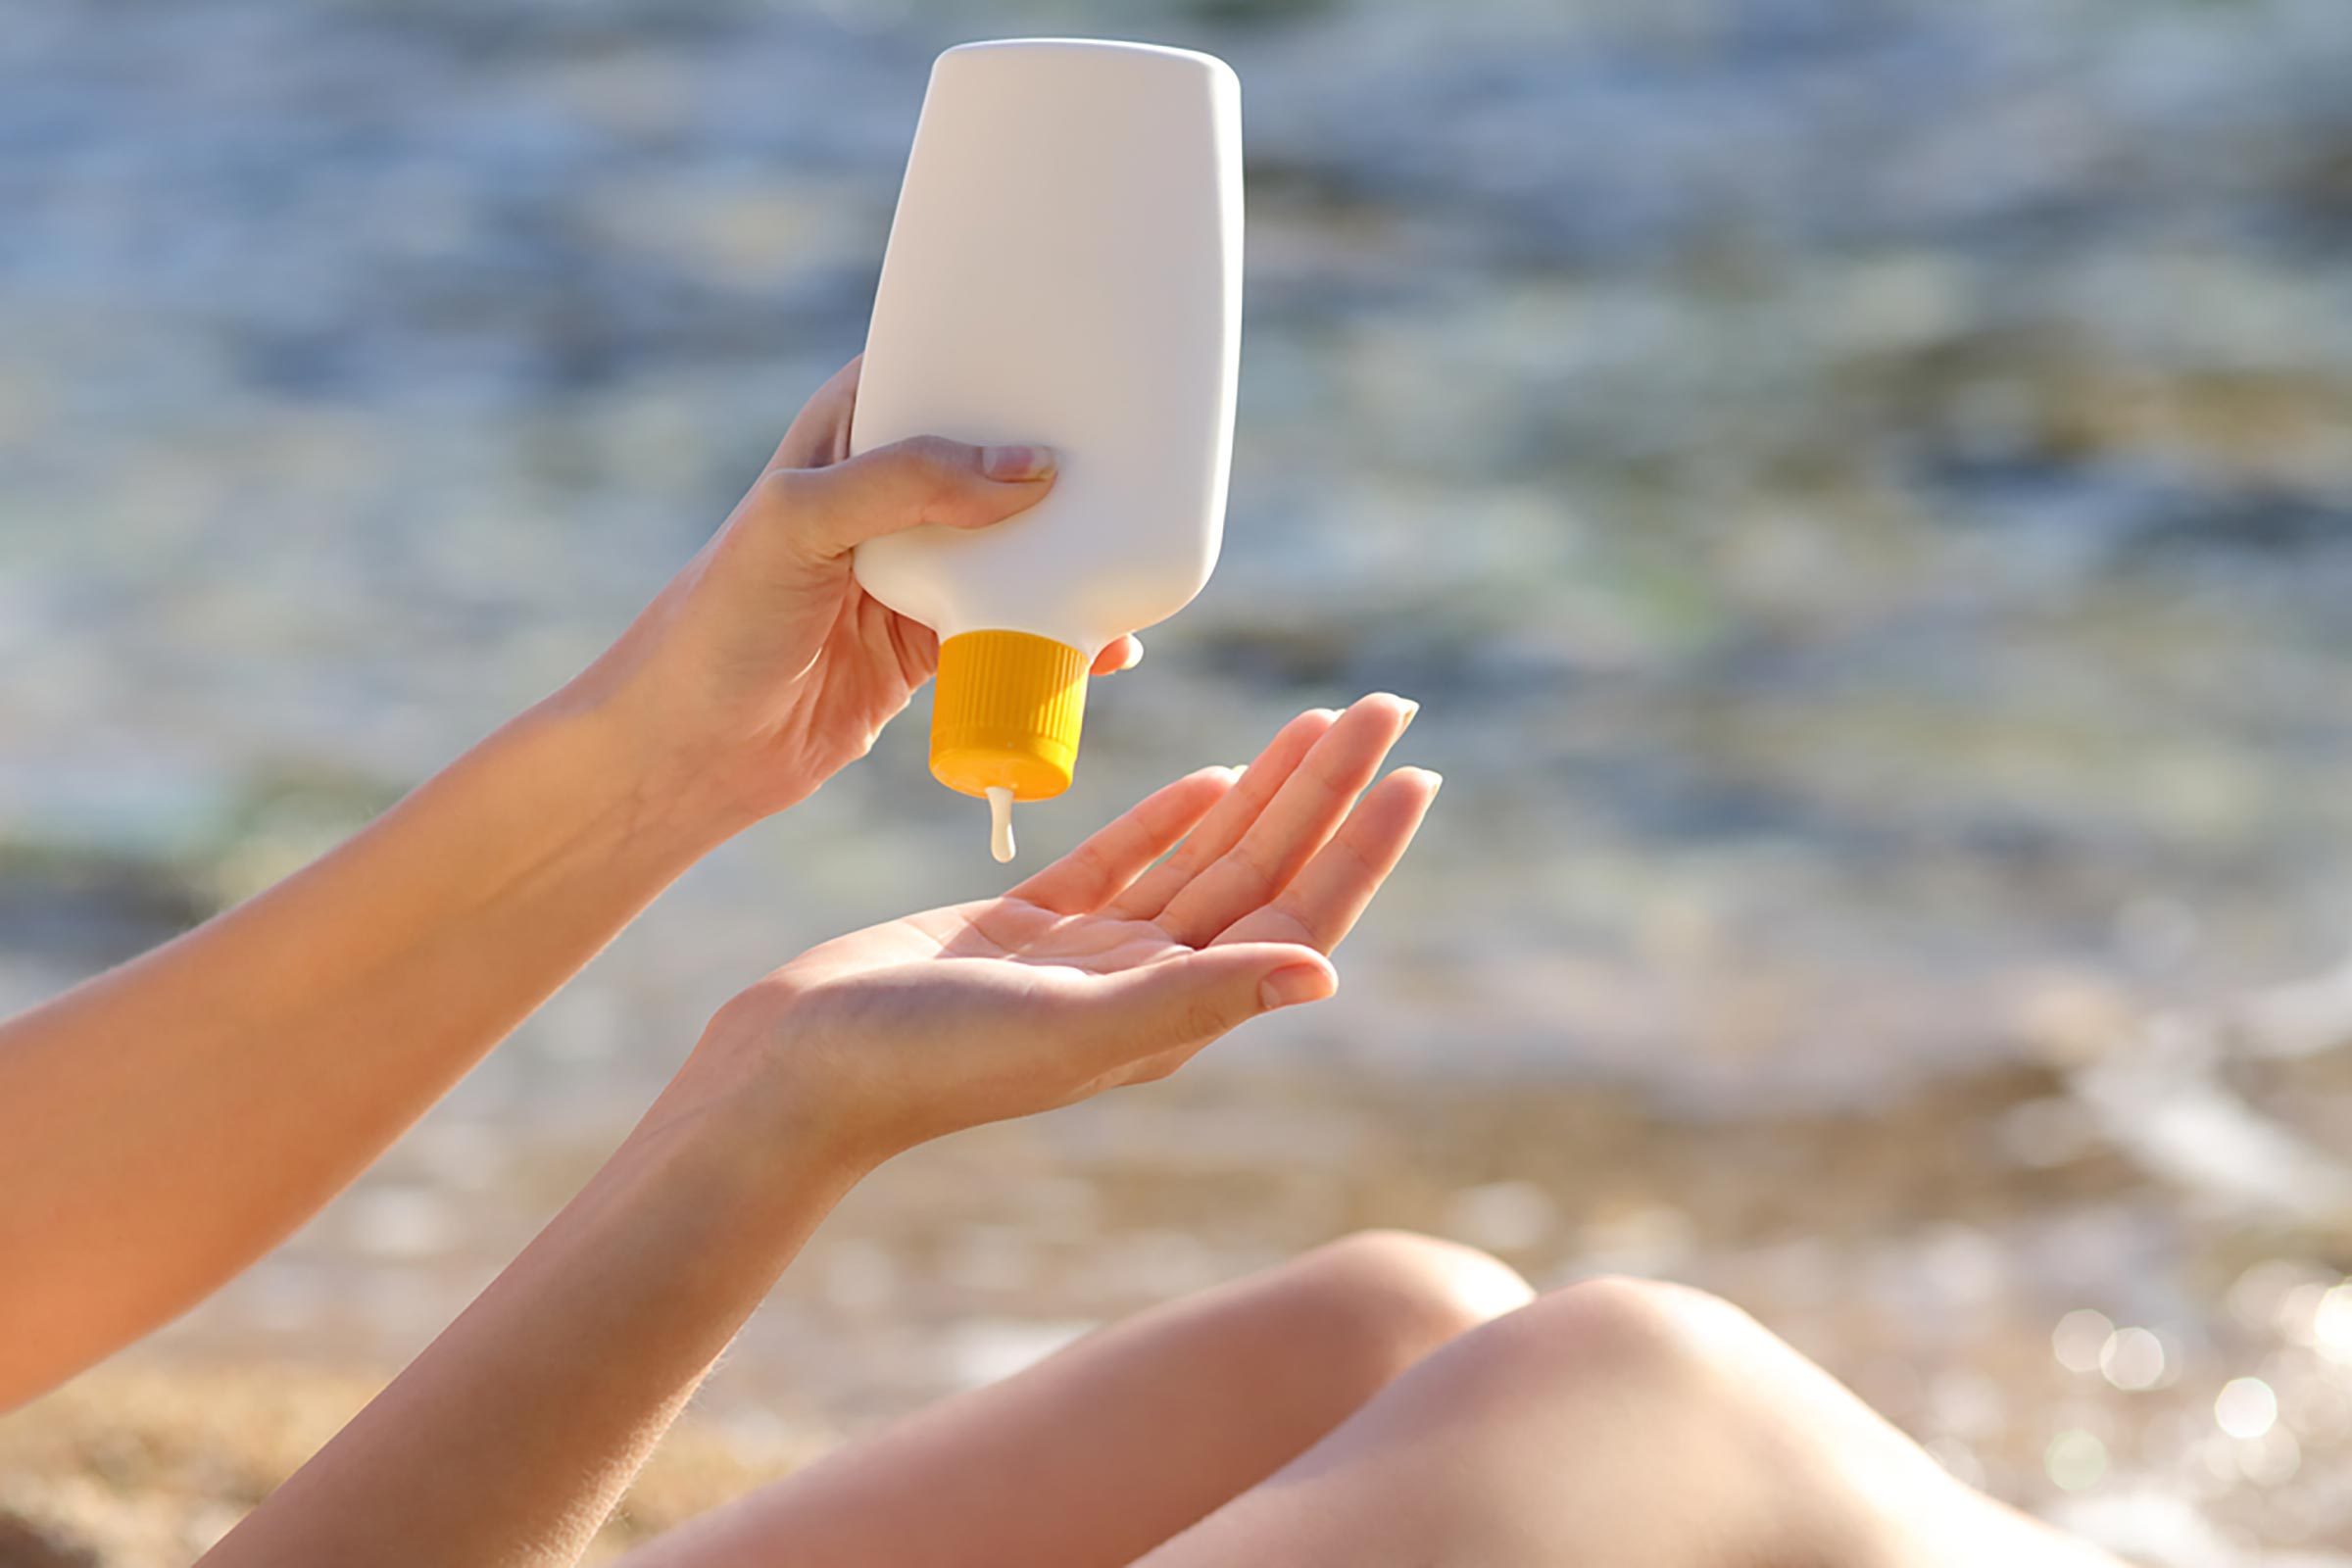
point(1064, 266)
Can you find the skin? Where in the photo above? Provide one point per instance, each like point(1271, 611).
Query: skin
point(1618, 1421)
point(251, 1069)
point(1135, 1433)
point(1389, 1398)
point(858, 1050)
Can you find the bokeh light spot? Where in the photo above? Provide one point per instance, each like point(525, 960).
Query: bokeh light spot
point(2075, 1460)
point(2246, 1407)
point(2079, 1338)
point(2133, 1359)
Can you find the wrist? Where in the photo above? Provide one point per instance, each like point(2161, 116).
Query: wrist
point(770, 1143)
point(656, 793)
point(760, 1083)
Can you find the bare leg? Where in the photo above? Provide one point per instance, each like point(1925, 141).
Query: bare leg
point(1616, 1422)
point(1099, 1454)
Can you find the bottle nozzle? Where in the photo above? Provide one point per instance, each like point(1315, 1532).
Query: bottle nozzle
point(1006, 713)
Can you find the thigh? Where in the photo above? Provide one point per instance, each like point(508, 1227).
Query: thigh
point(1616, 1422)
point(1119, 1441)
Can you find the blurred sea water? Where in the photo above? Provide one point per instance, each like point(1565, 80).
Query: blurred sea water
point(1860, 488)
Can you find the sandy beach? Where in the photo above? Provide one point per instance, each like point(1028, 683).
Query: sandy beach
point(149, 1460)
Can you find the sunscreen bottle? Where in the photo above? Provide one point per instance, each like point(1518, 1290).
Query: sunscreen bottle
point(1065, 267)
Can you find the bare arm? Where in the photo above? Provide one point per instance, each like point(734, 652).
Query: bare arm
point(515, 1434)
point(512, 1437)
point(164, 1124)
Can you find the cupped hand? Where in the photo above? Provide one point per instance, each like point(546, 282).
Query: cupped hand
point(1104, 968)
point(764, 667)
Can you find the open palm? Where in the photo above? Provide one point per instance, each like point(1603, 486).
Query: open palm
point(1106, 968)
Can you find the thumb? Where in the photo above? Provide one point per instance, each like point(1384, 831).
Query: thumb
point(1191, 998)
point(925, 478)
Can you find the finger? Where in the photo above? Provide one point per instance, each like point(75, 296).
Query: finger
point(1327, 896)
point(925, 478)
point(1191, 998)
point(820, 431)
point(1087, 878)
point(1223, 828)
point(1122, 652)
point(1311, 802)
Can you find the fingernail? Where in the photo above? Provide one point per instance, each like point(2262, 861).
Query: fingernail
point(1135, 652)
point(1436, 781)
point(1287, 987)
point(1411, 709)
point(1017, 462)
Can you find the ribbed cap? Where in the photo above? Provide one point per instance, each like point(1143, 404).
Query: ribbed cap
point(1006, 713)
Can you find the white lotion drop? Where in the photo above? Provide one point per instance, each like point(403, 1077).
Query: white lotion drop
point(1000, 822)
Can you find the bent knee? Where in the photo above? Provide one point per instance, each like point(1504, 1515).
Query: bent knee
point(1383, 1299)
point(1687, 1383)
point(1667, 1366)
point(1648, 1330)
point(1680, 1354)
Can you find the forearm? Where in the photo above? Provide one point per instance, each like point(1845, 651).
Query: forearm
point(167, 1122)
point(509, 1441)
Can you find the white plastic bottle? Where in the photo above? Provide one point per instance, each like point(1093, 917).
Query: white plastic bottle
point(1066, 267)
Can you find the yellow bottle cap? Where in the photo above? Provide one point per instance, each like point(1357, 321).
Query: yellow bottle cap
point(1006, 713)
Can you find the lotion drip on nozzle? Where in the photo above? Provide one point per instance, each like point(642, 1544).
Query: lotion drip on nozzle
point(1000, 822)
